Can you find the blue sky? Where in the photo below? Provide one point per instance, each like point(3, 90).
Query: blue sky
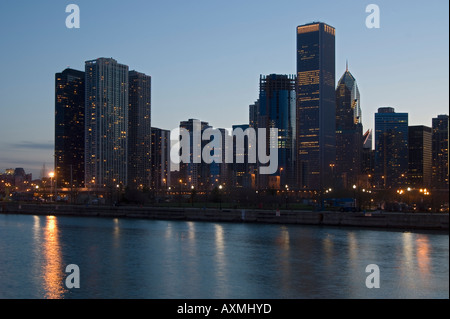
point(205, 58)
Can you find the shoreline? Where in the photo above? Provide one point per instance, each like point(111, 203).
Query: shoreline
point(386, 220)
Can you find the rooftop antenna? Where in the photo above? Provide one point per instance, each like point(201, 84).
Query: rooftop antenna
point(346, 66)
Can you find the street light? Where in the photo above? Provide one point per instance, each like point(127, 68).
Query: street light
point(354, 196)
point(220, 196)
point(51, 175)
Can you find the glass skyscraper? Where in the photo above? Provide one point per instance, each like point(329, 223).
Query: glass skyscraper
point(391, 148)
point(276, 109)
point(349, 131)
point(106, 123)
point(69, 128)
point(316, 106)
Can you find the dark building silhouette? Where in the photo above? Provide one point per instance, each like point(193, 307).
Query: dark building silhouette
point(139, 131)
point(69, 128)
point(440, 138)
point(276, 109)
point(368, 158)
point(349, 132)
point(391, 148)
point(316, 105)
point(160, 152)
point(241, 172)
point(196, 173)
point(419, 143)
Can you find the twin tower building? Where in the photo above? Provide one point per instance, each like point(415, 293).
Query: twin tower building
point(103, 133)
point(104, 138)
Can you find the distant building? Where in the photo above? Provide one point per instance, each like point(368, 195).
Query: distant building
point(440, 138)
point(391, 148)
point(69, 128)
point(160, 152)
point(139, 131)
point(420, 166)
point(316, 105)
point(241, 173)
point(349, 131)
point(196, 173)
point(106, 123)
point(368, 157)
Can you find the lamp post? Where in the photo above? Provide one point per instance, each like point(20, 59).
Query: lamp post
point(220, 196)
point(354, 196)
point(51, 175)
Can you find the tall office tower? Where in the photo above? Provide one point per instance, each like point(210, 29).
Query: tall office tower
point(196, 173)
point(419, 143)
point(276, 109)
point(69, 128)
point(391, 148)
point(440, 151)
point(160, 152)
point(349, 132)
point(316, 106)
point(139, 131)
point(106, 123)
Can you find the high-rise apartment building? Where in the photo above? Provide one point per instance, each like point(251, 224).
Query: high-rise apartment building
point(316, 106)
point(139, 131)
point(106, 117)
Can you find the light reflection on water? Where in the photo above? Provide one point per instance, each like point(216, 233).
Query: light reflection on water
point(121, 258)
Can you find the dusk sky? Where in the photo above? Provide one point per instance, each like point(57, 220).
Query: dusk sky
point(205, 58)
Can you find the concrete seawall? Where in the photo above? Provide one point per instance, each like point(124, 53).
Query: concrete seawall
point(417, 221)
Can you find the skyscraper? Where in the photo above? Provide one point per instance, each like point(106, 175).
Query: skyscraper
point(106, 123)
point(69, 128)
point(349, 131)
point(419, 143)
point(276, 109)
point(316, 106)
point(440, 145)
point(391, 148)
point(139, 131)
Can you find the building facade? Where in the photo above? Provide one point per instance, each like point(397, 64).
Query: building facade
point(316, 106)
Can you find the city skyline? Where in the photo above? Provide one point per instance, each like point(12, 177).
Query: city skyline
point(32, 132)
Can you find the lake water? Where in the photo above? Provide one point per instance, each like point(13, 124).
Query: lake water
point(146, 259)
